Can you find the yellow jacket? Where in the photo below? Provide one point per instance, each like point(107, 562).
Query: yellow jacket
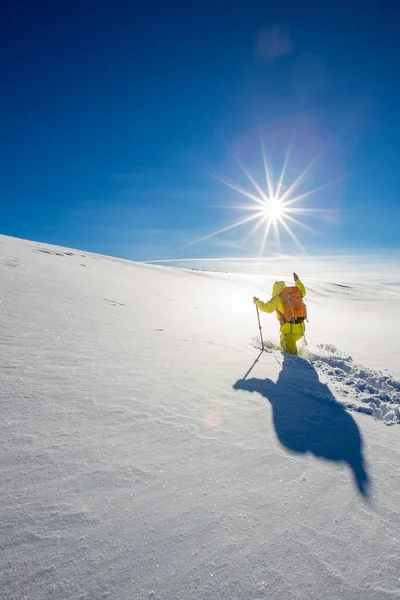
point(276, 302)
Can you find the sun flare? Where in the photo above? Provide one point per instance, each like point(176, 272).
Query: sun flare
point(272, 207)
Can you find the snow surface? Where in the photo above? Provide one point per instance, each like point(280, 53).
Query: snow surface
point(150, 451)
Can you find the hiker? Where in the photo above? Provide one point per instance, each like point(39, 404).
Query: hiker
point(290, 311)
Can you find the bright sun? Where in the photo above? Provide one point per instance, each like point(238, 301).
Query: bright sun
point(273, 209)
point(272, 206)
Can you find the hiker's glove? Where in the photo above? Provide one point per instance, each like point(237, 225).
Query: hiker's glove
point(295, 276)
point(255, 299)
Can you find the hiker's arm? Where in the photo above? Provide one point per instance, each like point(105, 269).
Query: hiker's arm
point(267, 307)
point(301, 287)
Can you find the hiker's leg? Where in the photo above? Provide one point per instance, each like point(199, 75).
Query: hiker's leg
point(283, 341)
point(285, 331)
point(290, 342)
point(289, 338)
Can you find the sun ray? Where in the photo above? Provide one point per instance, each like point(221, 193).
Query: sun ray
point(304, 173)
point(299, 179)
point(254, 229)
point(244, 169)
point(265, 237)
point(228, 228)
point(300, 223)
point(292, 235)
point(311, 192)
point(268, 177)
point(238, 188)
point(250, 177)
point(244, 207)
point(277, 235)
point(310, 210)
point(283, 171)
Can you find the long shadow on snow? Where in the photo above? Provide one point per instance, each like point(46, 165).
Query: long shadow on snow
point(307, 418)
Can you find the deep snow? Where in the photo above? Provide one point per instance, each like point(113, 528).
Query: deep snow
point(148, 450)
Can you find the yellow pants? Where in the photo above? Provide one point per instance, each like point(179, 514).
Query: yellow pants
point(290, 334)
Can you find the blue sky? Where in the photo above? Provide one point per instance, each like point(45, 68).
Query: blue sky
point(115, 115)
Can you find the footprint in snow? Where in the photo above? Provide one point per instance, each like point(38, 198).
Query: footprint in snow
point(366, 390)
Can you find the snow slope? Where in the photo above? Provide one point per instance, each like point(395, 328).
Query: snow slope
point(149, 451)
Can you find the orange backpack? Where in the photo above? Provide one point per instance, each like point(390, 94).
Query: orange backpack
point(295, 309)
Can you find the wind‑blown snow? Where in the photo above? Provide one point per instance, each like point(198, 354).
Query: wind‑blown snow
point(149, 450)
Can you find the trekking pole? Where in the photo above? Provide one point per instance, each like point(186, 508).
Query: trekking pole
point(260, 328)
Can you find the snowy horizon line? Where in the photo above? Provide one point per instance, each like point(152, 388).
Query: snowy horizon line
point(380, 266)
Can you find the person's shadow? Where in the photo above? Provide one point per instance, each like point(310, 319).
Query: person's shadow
point(307, 418)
